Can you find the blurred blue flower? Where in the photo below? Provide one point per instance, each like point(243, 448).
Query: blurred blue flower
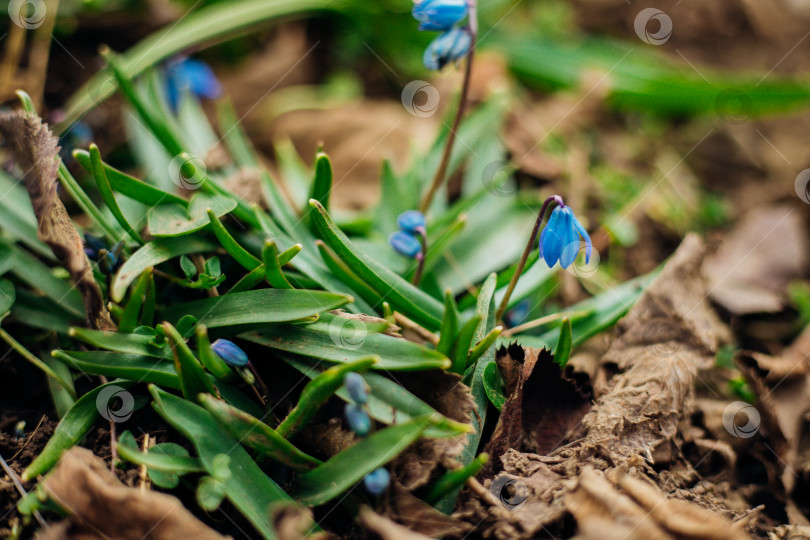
point(78, 135)
point(356, 387)
point(93, 245)
point(192, 75)
point(358, 420)
point(108, 258)
point(412, 221)
point(230, 353)
point(405, 244)
point(439, 14)
point(560, 239)
point(376, 481)
point(451, 46)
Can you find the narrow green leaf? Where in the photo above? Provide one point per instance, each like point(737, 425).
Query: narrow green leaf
point(272, 266)
point(107, 195)
point(168, 220)
point(25, 353)
point(265, 306)
point(63, 398)
point(249, 280)
point(240, 254)
point(177, 463)
point(152, 254)
point(483, 346)
point(321, 186)
point(449, 329)
point(119, 342)
point(248, 488)
point(317, 392)
point(453, 480)
point(148, 311)
point(345, 274)
point(235, 138)
point(493, 385)
point(193, 380)
point(461, 347)
point(7, 297)
point(129, 319)
point(402, 296)
point(129, 186)
point(394, 353)
point(70, 430)
point(564, 343)
point(258, 436)
point(346, 468)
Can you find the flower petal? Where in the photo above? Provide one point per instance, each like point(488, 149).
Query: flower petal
point(552, 238)
point(570, 240)
point(584, 234)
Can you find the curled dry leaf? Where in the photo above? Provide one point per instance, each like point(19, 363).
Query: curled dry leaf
point(101, 507)
point(543, 408)
point(403, 507)
point(619, 506)
point(384, 528)
point(37, 152)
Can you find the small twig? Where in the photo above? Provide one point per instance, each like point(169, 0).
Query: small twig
point(28, 440)
point(478, 488)
point(540, 322)
point(16, 481)
point(148, 442)
point(424, 333)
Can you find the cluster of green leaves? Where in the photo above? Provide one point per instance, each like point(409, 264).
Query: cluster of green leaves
point(270, 277)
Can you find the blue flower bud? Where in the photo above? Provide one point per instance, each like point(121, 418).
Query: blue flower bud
point(376, 481)
point(412, 221)
point(230, 353)
point(451, 46)
point(192, 75)
point(356, 387)
point(358, 420)
point(92, 245)
point(405, 244)
point(439, 14)
point(560, 239)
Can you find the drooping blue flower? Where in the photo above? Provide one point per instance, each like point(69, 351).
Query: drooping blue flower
point(405, 244)
point(412, 221)
point(192, 75)
point(93, 245)
point(376, 481)
point(451, 46)
point(358, 419)
point(439, 14)
point(230, 353)
point(356, 387)
point(560, 239)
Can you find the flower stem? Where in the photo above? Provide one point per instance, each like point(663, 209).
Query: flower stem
point(526, 252)
point(417, 277)
point(441, 172)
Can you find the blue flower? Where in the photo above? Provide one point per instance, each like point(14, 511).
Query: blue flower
point(439, 14)
point(230, 353)
point(356, 387)
point(93, 245)
point(192, 75)
point(376, 481)
point(412, 221)
point(451, 46)
point(405, 244)
point(560, 238)
point(358, 420)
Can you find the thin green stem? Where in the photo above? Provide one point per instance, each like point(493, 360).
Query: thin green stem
point(25, 353)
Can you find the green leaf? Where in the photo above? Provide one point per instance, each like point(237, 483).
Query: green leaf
point(461, 347)
point(393, 353)
point(104, 188)
point(402, 296)
point(260, 306)
point(70, 430)
point(483, 346)
point(176, 220)
point(258, 436)
point(321, 186)
point(193, 380)
point(129, 319)
point(449, 328)
point(165, 462)
point(493, 385)
point(129, 186)
point(564, 343)
point(455, 479)
point(346, 468)
point(152, 254)
point(209, 358)
point(345, 274)
point(65, 383)
point(120, 342)
point(210, 492)
point(248, 488)
point(7, 297)
point(188, 267)
point(317, 392)
point(272, 266)
point(239, 254)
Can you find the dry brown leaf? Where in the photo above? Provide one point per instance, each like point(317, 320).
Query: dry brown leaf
point(628, 508)
point(543, 408)
point(37, 152)
point(408, 510)
point(294, 522)
point(750, 271)
point(384, 528)
point(101, 507)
